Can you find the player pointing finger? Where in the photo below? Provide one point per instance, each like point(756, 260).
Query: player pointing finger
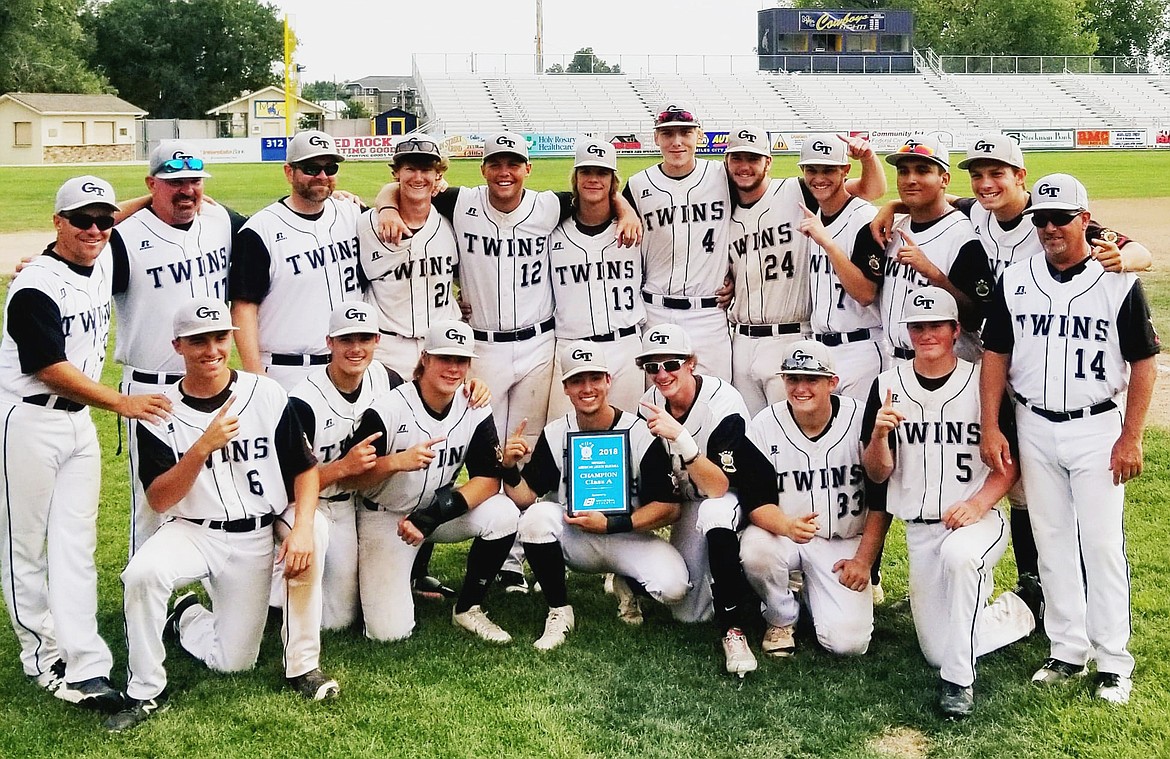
point(812, 226)
point(515, 448)
point(419, 456)
point(223, 428)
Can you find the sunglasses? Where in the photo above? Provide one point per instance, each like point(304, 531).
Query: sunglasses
point(667, 117)
point(803, 364)
point(85, 221)
point(916, 148)
point(670, 365)
point(412, 145)
point(1056, 218)
point(178, 164)
point(313, 169)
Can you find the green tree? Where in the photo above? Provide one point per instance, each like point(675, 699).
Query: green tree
point(355, 109)
point(180, 58)
point(584, 62)
point(322, 90)
point(43, 43)
point(1131, 27)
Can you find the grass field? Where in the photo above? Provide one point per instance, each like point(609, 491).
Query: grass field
point(654, 691)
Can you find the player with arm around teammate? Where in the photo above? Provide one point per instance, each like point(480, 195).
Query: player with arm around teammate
point(921, 434)
point(623, 544)
point(816, 511)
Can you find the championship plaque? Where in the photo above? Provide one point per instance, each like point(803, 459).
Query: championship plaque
point(597, 465)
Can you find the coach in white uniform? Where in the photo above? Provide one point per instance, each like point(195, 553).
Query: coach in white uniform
point(1077, 349)
point(56, 326)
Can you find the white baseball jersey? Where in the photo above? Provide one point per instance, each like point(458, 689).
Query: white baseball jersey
point(822, 476)
point(166, 266)
point(503, 258)
point(409, 283)
point(595, 282)
point(685, 228)
point(832, 309)
point(1004, 247)
point(769, 258)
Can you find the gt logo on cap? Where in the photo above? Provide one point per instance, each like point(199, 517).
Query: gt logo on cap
point(181, 154)
point(580, 355)
point(923, 301)
point(503, 140)
point(354, 313)
point(800, 355)
point(1048, 190)
point(658, 337)
point(983, 147)
point(92, 188)
point(203, 312)
point(821, 148)
point(746, 135)
point(319, 141)
point(596, 150)
point(456, 335)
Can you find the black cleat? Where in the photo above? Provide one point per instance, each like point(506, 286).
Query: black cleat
point(956, 701)
point(1030, 591)
point(315, 685)
point(95, 693)
point(432, 588)
point(134, 712)
point(512, 582)
point(180, 606)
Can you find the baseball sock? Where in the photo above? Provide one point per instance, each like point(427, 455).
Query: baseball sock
point(548, 567)
point(484, 560)
point(1024, 544)
point(422, 561)
point(727, 578)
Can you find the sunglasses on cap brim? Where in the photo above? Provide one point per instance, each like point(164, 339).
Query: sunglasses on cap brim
point(179, 164)
point(670, 365)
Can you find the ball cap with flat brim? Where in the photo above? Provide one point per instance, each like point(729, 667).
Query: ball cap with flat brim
point(665, 340)
point(200, 316)
point(311, 144)
point(809, 358)
point(925, 147)
point(450, 338)
point(675, 115)
point(596, 153)
point(930, 304)
point(83, 191)
point(1058, 192)
point(748, 139)
point(420, 145)
point(177, 159)
point(505, 143)
point(823, 150)
point(353, 317)
point(582, 356)
point(994, 147)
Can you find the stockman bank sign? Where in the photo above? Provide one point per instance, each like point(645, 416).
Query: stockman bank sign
point(1043, 138)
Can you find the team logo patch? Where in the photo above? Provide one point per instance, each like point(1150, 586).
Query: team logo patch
point(91, 188)
point(1020, 290)
point(983, 147)
point(596, 150)
point(1108, 235)
point(1047, 190)
point(318, 141)
point(586, 451)
point(727, 462)
point(746, 135)
point(923, 301)
point(580, 355)
point(983, 288)
point(821, 148)
point(875, 263)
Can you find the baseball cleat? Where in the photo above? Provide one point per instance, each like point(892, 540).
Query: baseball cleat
point(95, 693)
point(557, 625)
point(956, 701)
point(512, 582)
point(629, 607)
point(1032, 594)
point(739, 657)
point(779, 641)
point(52, 678)
point(1113, 688)
point(134, 712)
point(476, 620)
point(178, 609)
point(1055, 671)
point(431, 588)
point(315, 685)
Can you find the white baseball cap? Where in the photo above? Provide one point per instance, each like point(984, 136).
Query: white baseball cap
point(177, 159)
point(582, 356)
point(675, 114)
point(83, 191)
point(749, 139)
point(505, 142)
point(311, 144)
point(665, 340)
point(450, 338)
point(823, 150)
point(994, 147)
point(1059, 192)
point(925, 146)
point(808, 357)
point(930, 304)
point(200, 316)
point(353, 317)
point(591, 152)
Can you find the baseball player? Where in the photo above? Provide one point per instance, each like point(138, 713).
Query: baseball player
point(218, 469)
point(428, 434)
point(623, 544)
point(56, 325)
point(1077, 350)
point(815, 510)
point(595, 281)
point(292, 264)
point(921, 434)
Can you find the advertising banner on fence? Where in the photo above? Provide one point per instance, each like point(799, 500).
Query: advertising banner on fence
point(550, 144)
point(1162, 139)
point(233, 150)
point(376, 147)
point(631, 143)
point(463, 146)
point(1042, 138)
point(712, 143)
point(1127, 138)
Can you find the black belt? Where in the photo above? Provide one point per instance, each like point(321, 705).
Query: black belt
point(250, 524)
point(55, 402)
point(337, 497)
point(370, 505)
point(768, 330)
point(833, 339)
point(679, 304)
point(903, 353)
point(1065, 416)
point(920, 520)
point(609, 337)
point(298, 359)
point(155, 378)
point(516, 335)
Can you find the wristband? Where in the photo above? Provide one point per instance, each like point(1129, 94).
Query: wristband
point(685, 446)
point(615, 523)
point(511, 476)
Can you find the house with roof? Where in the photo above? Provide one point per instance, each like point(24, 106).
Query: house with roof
point(385, 93)
point(45, 128)
point(261, 114)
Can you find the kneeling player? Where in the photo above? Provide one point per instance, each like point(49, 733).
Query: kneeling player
point(591, 542)
point(921, 434)
point(815, 514)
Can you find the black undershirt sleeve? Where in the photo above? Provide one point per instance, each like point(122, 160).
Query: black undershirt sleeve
point(1007, 425)
point(654, 481)
point(758, 478)
point(1135, 328)
point(237, 221)
point(971, 275)
point(155, 457)
point(730, 436)
point(875, 493)
point(542, 472)
point(306, 417)
point(628, 194)
point(868, 255)
point(998, 336)
point(292, 449)
point(34, 322)
point(481, 458)
point(566, 200)
point(395, 379)
point(248, 268)
point(810, 200)
point(964, 205)
point(370, 424)
point(445, 201)
point(121, 276)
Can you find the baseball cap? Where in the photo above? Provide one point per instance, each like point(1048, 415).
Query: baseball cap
point(823, 150)
point(808, 357)
point(1058, 192)
point(82, 191)
point(930, 304)
point(675, 114)
point(597, 153)
point(994, 147)
point(923, 146)
point(505, 142)
point(582, 356)
point(177, 159)
point(353, 317)
point(417, 144)
point(665, 340)
point(450, 338)
point(311, 144)
point(748, 139)
point(200, 316)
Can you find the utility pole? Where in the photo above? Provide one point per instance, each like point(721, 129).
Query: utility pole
point(539, 36)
